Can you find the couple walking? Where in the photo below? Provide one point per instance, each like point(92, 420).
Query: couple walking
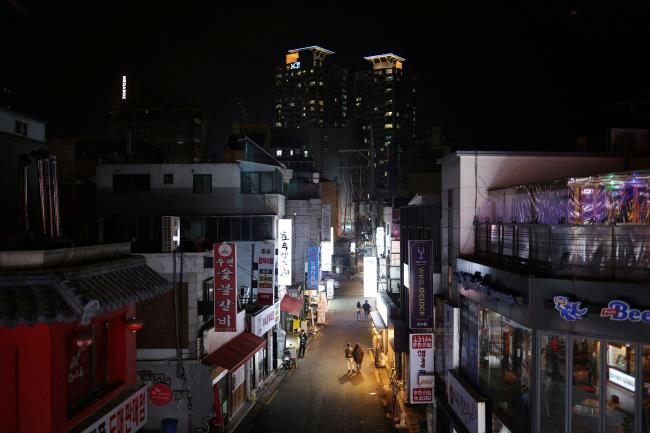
point(353, 358)
point(366, 309)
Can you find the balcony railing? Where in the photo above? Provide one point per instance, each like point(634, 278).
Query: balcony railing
point(583, 251)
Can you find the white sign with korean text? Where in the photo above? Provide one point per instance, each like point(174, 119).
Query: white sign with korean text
point(421, 368)
point(128, 416)
point(284, 252)
point(470, 411)
point(264, 321)
point(265, 259)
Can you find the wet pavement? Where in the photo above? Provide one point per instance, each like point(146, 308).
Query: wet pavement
point(320, 395)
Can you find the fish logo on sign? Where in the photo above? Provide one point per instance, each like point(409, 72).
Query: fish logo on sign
point(569, 311)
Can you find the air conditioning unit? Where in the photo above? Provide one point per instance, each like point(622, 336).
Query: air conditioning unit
point(171, 233)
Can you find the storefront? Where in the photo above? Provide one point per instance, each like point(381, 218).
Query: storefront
point(554, 355)
point(261, 325)
point(383, 352)
point(238, 359)
point(594, 358)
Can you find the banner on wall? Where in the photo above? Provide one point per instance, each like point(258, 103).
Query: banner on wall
point(420, 288)
point(312, 268)
point(130, 415)
point(284, 252)
point(421, 376)
point(225, 287)
point(265, 259)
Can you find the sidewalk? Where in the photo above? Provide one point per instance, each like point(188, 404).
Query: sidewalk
point(412, 415)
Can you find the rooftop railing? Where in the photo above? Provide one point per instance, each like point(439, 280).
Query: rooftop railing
point(562, 250)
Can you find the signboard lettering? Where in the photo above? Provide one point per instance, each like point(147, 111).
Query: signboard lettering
point(420, 288)
point(421, 368)
point(312, 268)
point(284, 252)
point(129, 416)
point(225, 287)
point(466, 407)
point(265, 259)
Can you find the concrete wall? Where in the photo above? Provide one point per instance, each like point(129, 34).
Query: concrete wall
point(306, 215)
point(35, 129)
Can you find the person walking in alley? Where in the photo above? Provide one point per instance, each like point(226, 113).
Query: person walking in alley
point(303, 343)
point(358, 310)
point(349, 359)
point(366, 308)
point(357, 354)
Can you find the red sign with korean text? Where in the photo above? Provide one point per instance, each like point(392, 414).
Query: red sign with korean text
point(225, 287)
point(160, 394)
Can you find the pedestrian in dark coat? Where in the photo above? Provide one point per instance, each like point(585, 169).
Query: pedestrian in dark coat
point(358, 310)
point(357, 354)
point(366, 309)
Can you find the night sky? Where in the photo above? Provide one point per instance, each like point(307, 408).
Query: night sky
point(521, 73)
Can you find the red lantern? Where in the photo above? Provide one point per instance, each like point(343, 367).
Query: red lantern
point(82, 341)
point(134, 324)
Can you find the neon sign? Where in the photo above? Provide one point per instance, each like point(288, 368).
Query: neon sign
point(295, 65)
point(620, 310)
point(124, 87)
point(570, 311)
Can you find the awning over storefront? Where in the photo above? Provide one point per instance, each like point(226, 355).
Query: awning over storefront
point(378, 321)
point(234, 353)
point(291, 305)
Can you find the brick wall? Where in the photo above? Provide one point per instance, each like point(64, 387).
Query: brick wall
point(159, 331)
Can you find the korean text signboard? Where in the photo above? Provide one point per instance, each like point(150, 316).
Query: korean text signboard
point(420, 288)
point(264, 321)
point(225, 287)
point(470, 411)
point(284, 252)
point(421, 368)
point(326, 212)
point(128, 416)
point(265, 259)
point(312, 268)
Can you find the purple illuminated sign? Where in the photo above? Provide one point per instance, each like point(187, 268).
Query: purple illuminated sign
point(420, 288)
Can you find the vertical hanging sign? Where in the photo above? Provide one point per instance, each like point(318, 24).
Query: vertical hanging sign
point(420, 289)
point(312, 268)
point(284, 252)
point(225, 287)
point(265, 259)
point(421, 368)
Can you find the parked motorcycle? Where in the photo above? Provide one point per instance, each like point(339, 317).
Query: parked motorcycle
point(286, 359)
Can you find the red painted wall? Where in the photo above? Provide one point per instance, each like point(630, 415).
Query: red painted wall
point(34, 385)
point(42, 372)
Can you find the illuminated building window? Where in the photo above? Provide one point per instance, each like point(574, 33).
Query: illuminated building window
point(306, 153)
point(344, 114)
point(389, 71)
point(376, 108)
point(312, 83)
point(389, 78)
point(291, 152)
point(304, 114)
point(312, 101)
point(398, 126)
point(320, 102)
point(397, 114)
point(312, 109)
point(299, 85)
point(388, 89)
point(278, 124)
point(386, 173)
point(278, 105)
point(278, 152)
point(320, 83)
point(292, 104)
point(388, 113)
point(388, 126)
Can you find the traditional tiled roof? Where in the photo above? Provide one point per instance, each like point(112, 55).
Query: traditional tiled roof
point(76, 293)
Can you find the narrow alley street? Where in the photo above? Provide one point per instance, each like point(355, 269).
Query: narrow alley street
point(320, 396)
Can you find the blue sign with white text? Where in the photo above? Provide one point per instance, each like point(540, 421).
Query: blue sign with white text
point(312, 268)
